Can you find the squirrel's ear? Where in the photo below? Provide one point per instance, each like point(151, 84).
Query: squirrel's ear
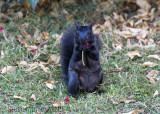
point(76, 24)
point(91, 24)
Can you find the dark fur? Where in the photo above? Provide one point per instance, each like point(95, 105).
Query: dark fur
point(76, 75)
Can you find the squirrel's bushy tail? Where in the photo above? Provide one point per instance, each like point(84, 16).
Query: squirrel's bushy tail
point(66, 50)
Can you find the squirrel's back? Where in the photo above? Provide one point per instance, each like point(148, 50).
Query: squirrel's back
point(66, 49)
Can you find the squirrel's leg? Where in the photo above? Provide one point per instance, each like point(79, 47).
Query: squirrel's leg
point(100, 86)
point(73, 83)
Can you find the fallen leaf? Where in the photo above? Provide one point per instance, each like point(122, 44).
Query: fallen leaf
point(116, 44)
point(132, 54)
point(58, 104)
point(22, 41)
point(24, 107)
point(116, 70)
point(37, 54)
point(33, 66)
point(128, 32)
point(154, 57)
point(19, 97)
point(155, 93)
point(30, 48)
point(126, 101)
point(33, 97)
point(8, 69)
point(39, 64)
point(23, 63)
point(51, 84)
point(45, 69)
point(114, 102)
point(54, 58)
point(149, 64)
point(2, 54)
point(143, 4)
point(135, 112)
point(46, 36)
point(151, 75)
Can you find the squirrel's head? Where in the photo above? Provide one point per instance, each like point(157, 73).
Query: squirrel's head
point(84, 37)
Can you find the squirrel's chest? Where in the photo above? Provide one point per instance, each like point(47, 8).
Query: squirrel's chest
point(91, 67)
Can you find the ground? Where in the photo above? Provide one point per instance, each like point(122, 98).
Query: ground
point(125, 85)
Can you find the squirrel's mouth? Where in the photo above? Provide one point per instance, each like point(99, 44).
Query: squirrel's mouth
point(86, 44)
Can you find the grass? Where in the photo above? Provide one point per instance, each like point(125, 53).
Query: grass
point(129, 84)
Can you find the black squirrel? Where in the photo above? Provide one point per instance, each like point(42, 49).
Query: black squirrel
point(80, 61)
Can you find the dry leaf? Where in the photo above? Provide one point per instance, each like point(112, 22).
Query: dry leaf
point(29, 48)
point(51, 84)
point(23, 63)
point(54, 58)
point(45, 69)
point(8, 69)
point(2, 54)
point(116, 44)
point(143, 4)
point(39, 64)
point(22, 41)
point(129, 32)
point(19, 97)
point(116, 70)
point(36, 55)
point(132, 54)
point(154, 57)
point(33, 66)
point(24, 107)
point(114, 102)
point(149, 64)
point(135, 112)
point(126, 101)
point(46, 36)
point(151, 75)
point(155, 93)
point(58, 104)
point(37, 35)
point(33, 96)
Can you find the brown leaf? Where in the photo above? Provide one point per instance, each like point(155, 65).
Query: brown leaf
point(2, 54)
point(116, 44)
point(36, 55)
point(19, 97)
point(149, 64)
point(135, 112)
point(54, 58)
point(114, 102)
point(132, 54)
point(143, 4)
point(58, 104)
point(151, 75)
point(33, 96)
point(46, 36)
point(22, 41)
point(30, 48)
point(33, 66)
point(23, 63)
point(24, 107)
point(51, 84)
point(155, 93)
point(8, 69)
point(39, 64)
point(126, 101)
point(154, 57)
